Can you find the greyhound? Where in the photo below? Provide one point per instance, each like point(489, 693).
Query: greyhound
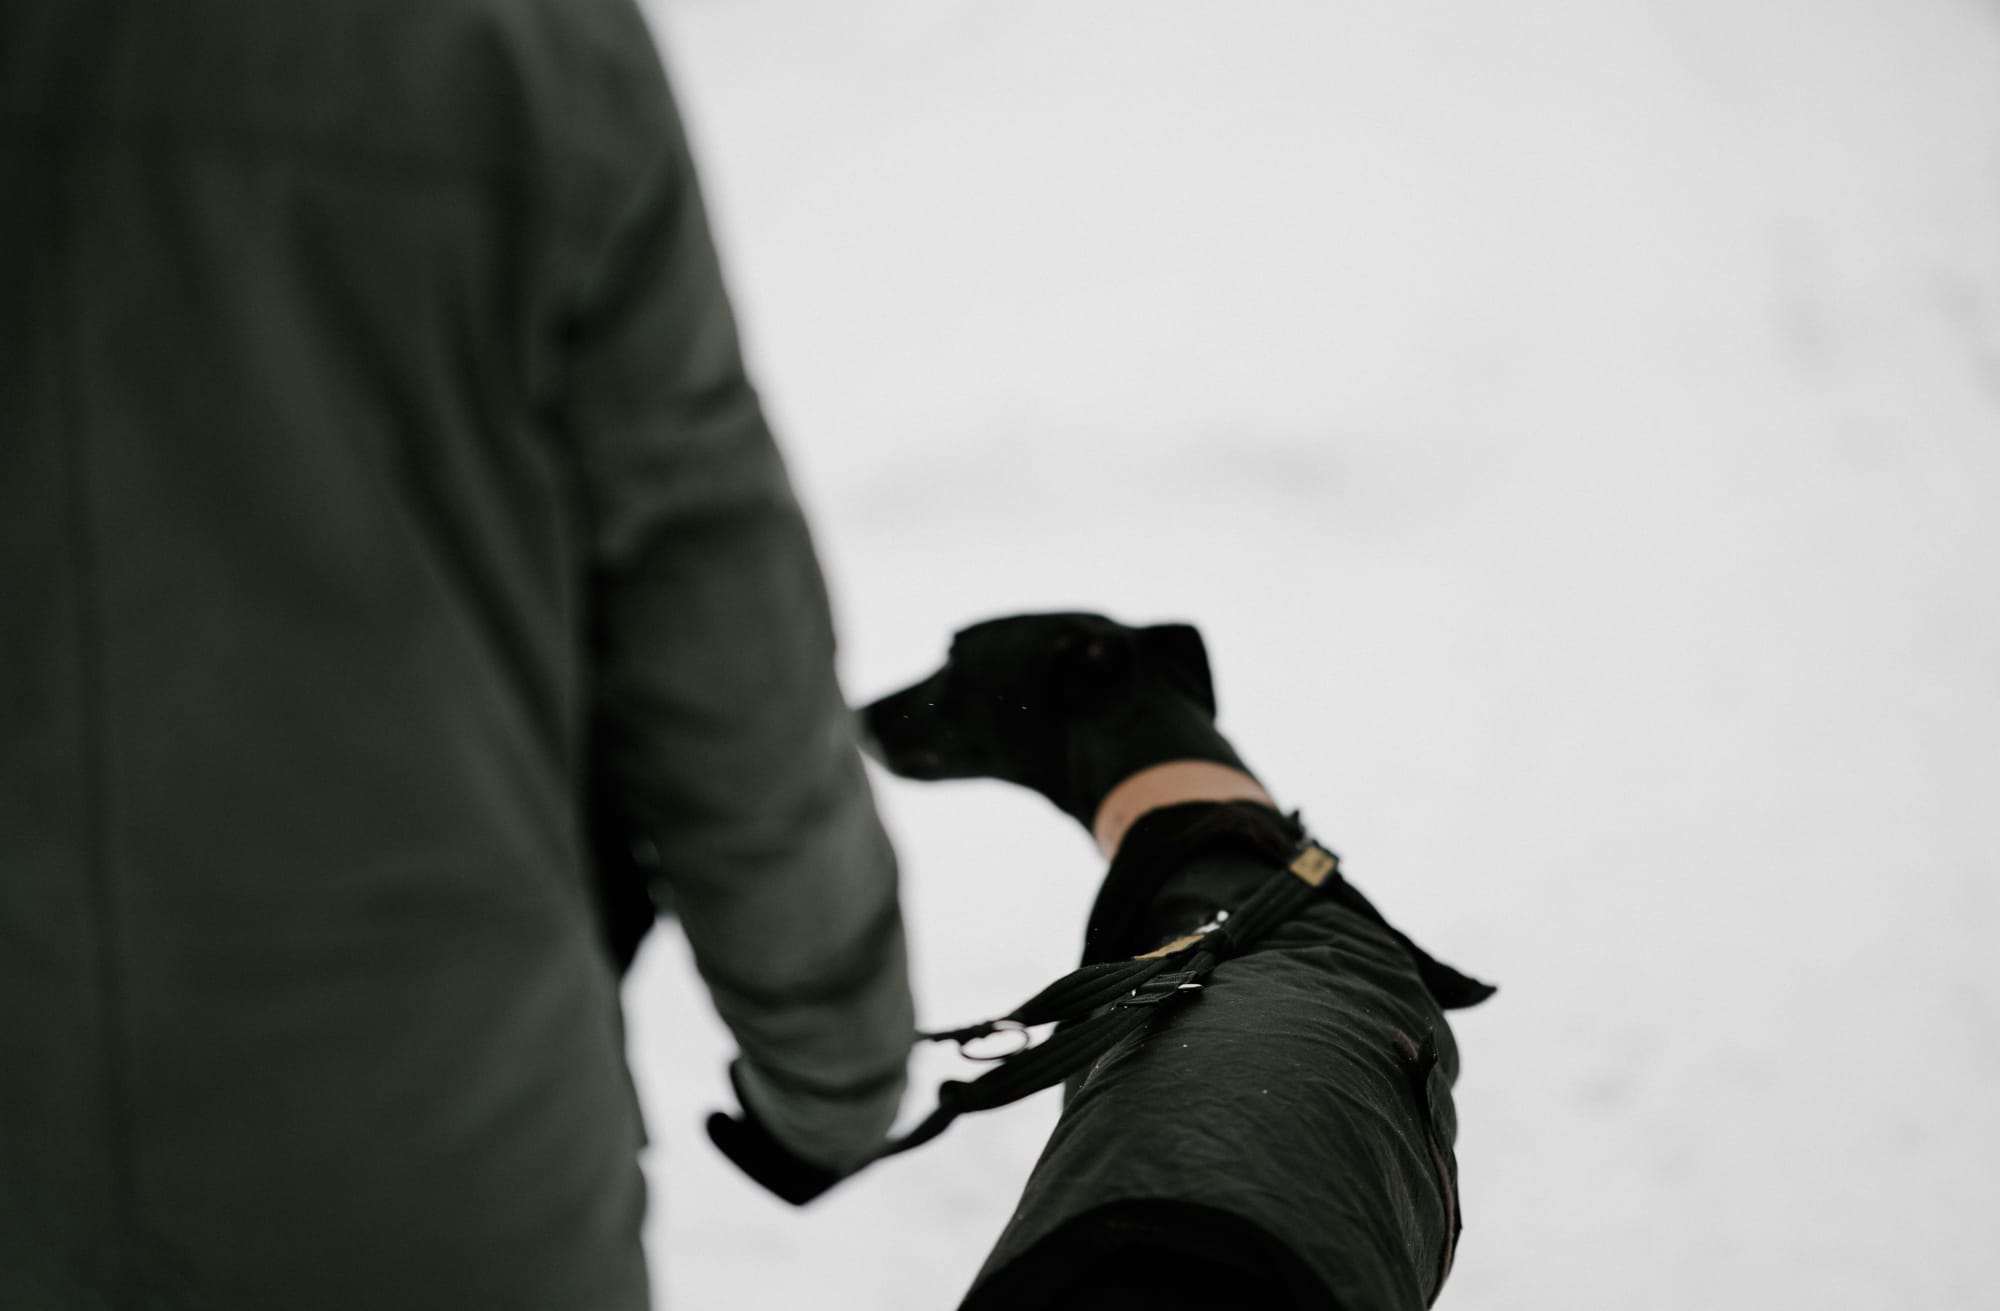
point(1285, 1138)
point(1277, 1140)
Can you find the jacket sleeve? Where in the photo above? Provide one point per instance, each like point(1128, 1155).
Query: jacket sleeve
point(719, 728)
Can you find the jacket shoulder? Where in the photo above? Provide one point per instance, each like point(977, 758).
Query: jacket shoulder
point(564, 96)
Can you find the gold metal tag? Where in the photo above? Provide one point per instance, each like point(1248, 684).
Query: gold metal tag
point(1313, 865)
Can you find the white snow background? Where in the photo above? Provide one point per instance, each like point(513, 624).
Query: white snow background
point(1576, 430)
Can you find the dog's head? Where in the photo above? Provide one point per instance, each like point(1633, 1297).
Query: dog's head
point(1067, 704)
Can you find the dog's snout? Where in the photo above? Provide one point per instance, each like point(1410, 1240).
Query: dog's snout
point(905, 733)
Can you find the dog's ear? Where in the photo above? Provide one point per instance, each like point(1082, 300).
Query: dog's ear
point(1177, 652)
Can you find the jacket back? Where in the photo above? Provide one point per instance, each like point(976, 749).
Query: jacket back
point(377, 473)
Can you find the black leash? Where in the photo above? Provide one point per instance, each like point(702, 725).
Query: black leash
point(1099, 1005)
point(1096, 1007)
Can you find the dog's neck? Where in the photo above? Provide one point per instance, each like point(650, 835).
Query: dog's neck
point(1169, 784)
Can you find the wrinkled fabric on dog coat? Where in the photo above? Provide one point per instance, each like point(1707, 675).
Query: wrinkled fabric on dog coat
point(1292, 1124)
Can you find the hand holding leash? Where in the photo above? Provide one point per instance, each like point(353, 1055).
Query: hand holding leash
point(745, 1141)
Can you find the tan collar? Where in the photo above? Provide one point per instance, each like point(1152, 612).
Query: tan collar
point(1169, 784)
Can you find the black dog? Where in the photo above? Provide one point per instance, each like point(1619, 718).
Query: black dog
point(1283, 1141)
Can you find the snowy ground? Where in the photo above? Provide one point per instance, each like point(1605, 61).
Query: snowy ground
point(1576, 429)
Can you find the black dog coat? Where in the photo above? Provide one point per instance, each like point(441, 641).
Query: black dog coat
point(1286, 1133)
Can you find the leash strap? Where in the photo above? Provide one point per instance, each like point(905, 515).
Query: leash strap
point(1097, 1006)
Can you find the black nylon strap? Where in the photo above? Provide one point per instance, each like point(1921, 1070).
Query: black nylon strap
point(1097, 1006)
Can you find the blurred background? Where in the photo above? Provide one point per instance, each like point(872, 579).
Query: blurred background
point(1575, 428)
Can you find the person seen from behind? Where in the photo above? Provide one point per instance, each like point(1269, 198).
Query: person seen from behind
point(390, 540)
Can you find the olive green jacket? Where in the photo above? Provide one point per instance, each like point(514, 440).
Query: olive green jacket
point(381, 490)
